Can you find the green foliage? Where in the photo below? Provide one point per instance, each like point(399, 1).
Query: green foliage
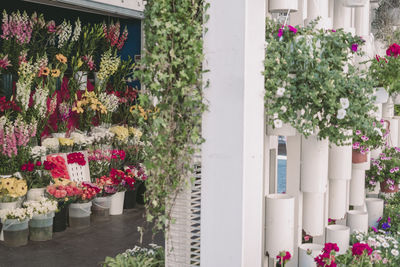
point(171, 73)
point(386, 74)
point(385, 168)
point(386, 19)
point(137, 257)
point(307, 85)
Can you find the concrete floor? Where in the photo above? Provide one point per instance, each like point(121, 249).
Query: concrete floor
point(82, 247)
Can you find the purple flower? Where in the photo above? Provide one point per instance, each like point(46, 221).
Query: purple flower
point(364, 138)
point(354, 47)
point(333, 30)
point(389, 220)
point(372, 182)
point(292, 29)
point(390, 181)
point(356, 145)
point(280, 32)
point(358, 132)
point(385, 226)
point(391, 187)
point(379, 219)
point(382, 121)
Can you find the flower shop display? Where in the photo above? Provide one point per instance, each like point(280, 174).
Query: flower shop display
point(38, 176)
point(102, 202)
point(41, 223)
point(357, 221)
point(15, 226)
point(307, 253)
point(80, 210)
point(340, 235)
point(279, 232)
point(375, 210)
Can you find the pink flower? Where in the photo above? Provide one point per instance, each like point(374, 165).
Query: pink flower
point(364, 138)
point(280, 32)
point(356, 145)
point(292, 29)
point(354, 47)
point(358, 132)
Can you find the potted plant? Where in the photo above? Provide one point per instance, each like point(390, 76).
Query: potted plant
point(79, 210)
point(11, 190)
point(66, 144)
point(15, 226)
point(41, 223)
point(385, 170)
point(327, 255)
point(37, 176)
point(102, 202)
point(120, 181)
point(139, 176)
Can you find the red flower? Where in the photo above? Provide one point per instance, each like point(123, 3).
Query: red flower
point(393, 50)
point(38, 163)
point(359, 248)
point(76, 157)
point(30, 167)
point(48, 166)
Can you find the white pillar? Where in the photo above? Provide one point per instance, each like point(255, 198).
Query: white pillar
point(361, 20)
point(232, 156)
point(341, 15)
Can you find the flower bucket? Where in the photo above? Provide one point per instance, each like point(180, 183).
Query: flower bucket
point(117, 203)
point(358, 157)
point(386, 187)
point(60, 220)
point(279, 231)
point(375, 210)
point(101, 208)
point(79, 214)
point(314, 165)
point(354, 3)
point(357, 187)
point(339, 234)
point(141, 189)
point(41, 227)
point(35, 194)
point(81, 78)
point(357, 221)
point(8, 205)
point(285, 130)
point(305, 259)
point(130, 199)
point(7, 85)
point(96, 78)
point(15, 232)
point(313, 213)
point(337, 199)
point(282, 5)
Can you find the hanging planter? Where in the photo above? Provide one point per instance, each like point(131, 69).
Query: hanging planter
point(117, 203)
point(358, 157)
point(285, 130)
point(357, 187)
point(314, 167)
point(375, 210)
point(60, 219)
point(313, 213)
point(354, 3)
point(41, 227)
point(79, 214)
point(15, 232)
point(35, 194)
point(307, 253)
point(337, 199)
point(279, 225)
point(277, 6)
point(339, 234)
point(340, 158)
point(387, 187)
point(357, 221)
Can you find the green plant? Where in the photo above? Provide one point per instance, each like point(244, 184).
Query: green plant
point(311, 85)
point(384, 169)
point(386, 21)
point(138, 257)
point(371, 138)
point(171, 72)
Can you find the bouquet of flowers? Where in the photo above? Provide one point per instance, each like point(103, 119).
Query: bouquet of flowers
point(43, 206)
point(105, 184)
point(11, 189)
point(37, 174)
point(87, 108)
point(63, 191)
point(51, 144)
point(99, 162)
point(89, 191)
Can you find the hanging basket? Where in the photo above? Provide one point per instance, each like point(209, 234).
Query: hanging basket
point(79, 214)
point(15, 233)
point(41, 227)
point(358, 157)
point(375, 210)
point(357, 221)
point(354, 3)
point(307, 253)
point(385, 187)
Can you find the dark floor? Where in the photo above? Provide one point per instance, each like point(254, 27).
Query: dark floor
point(85, 247)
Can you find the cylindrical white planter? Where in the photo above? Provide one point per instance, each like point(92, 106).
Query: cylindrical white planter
point(35, 194)
point(337, 199)
point(81, 78)
point(340, 162)
point(117, 203)
point(375, 210)
point(354, 3)
point(305, 259)
point(282, 5)
point(7, 206)
point(388, 108)
point(357, 187)
point(285, 130)
point(357, 221)
point(375, 153)
point(378, 113)
point(394, 131)
point(381, 95)
point(339, 234)
point(279, 225)
point(313, 213)
point(314, 165)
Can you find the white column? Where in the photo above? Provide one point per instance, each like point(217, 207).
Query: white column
point(341, 15)
point(233, 127)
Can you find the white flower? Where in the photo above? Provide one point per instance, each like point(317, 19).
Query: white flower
point(284, 109)
point(50, 143)
point(379, 131)
point(341, 114)
point(302, 112)
point(385, 244)
point(344, 102)
point(275, 115)
point(280, 91)
point(111, 101)
point(77, 31)
point(394, 252)
point(359, 237)
point(38, 152)
point(278, 123)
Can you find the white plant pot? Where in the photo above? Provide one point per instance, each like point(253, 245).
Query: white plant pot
point(313, 213)
point(357, 187)
point(375, 210)
point(96, 78)
point(314, 165)
point(305, 259)
point(81, 78)
point(35, 194)
point(394, 131)
point(339, 234)
point(277, 6)
point(337, 199)
point(375, 153)
point(388, 108)
point(340, 162)
point(396, 99)
point(279, 225)
point(357, 221)
point(7, 206)
point(285, 130)
point(117, 203)
point(381, 95)
point(354, 3)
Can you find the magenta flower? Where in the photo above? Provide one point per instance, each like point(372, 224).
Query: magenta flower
point(292, 29)
point(354, 47)
point(364, 138)
point(333, 30)
point(280, 32)
point(358, 132)
point(356, 145)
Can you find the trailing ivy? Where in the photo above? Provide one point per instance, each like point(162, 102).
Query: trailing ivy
point(171, 73)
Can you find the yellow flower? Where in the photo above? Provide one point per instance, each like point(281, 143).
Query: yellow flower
point(121, 132)
point(103, 109)
point(135, 132)
point(44, 72)
point(55, 73)
point(61, 181)
point(61, 58)
point(21, 188)
point(80, 63)
point(66, 141)
point(132, 108)
point(8, 183)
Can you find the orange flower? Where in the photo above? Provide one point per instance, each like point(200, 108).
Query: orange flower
point(44, 72)
point(61, 58)
point(55, 73)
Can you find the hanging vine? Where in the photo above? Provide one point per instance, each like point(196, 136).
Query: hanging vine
point(171, 73)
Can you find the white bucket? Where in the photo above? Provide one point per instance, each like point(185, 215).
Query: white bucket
point(305, 259)
point(79, 210)
point(357, 221)
point(339, 234)
point(117, 203)
point(81, 78)
point(35, 194)
point(313, 213)
point(375, 210)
